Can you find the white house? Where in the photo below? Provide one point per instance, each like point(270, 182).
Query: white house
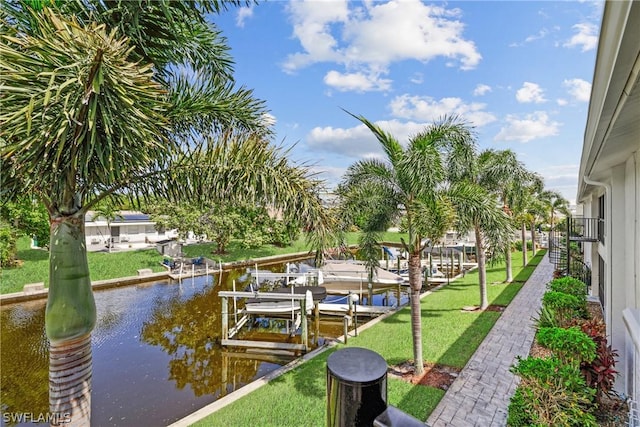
point(609, 187)
point(130, 228)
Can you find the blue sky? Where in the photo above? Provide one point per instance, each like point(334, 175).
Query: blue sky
point(519, 71)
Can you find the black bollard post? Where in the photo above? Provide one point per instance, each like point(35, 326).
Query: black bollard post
point(356, 387)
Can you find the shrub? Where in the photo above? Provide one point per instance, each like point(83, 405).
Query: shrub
point(518, 412)
point(599, 373)
point(551, 393)
point(570, 345)
point(595, 328)
point(8, 247)
point(518, 245)
point(569, 285)
point(547, 318)
point(566, 306)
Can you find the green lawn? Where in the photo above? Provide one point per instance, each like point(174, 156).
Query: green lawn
point(449, 336)
point(102, 265)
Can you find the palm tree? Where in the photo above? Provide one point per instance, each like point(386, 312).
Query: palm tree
point(479, 210)
point(110, 213)
point(554, 202)
point(503, 174)
point(408, 181)
point(525, 207)
point(88, 114)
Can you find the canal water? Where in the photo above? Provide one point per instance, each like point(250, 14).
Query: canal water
point(156, 352)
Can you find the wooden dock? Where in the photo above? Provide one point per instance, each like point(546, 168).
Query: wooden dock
point(361, 310)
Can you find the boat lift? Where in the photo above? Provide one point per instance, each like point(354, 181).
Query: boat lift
point(302, 303)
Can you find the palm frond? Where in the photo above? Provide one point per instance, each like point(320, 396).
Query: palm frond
point(390, 145)
point(85, 118)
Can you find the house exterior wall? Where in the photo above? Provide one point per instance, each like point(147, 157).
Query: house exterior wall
point(621, 254)
point(610, 166)
point(98, 233)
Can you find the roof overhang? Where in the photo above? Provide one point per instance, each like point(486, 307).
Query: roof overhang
point(613, 122)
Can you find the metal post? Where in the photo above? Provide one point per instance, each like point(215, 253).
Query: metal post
point(235, 303)
point(345, 327)
point(356, 387)
point(303, 313)
point(225, 320)
point(354, 298)
point(316, 315)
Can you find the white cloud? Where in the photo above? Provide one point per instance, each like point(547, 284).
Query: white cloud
point(529, 39)
point(481, 89)
point(541, 34)
point(562, 178)
point(358, 82)
point(369, 37)
point(243, 14)
point(417, 78)
point(533, 126)
point(530, 92)
point(426, 109)
point(269, 119)
point(332, 175)
point(579, 89)
point(358, 141)
point(586, 37)
point(562, 102)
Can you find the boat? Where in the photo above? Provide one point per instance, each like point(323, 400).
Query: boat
point(344, 277)
point(280, 304)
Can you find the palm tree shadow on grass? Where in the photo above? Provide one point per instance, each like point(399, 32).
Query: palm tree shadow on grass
point(306, 379)
point(32, 255)
point(460, 352)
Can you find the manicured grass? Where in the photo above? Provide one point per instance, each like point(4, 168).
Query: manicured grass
point(449, 335)
point(102, 265)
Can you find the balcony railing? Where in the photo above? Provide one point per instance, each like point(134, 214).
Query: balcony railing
point(584, 229)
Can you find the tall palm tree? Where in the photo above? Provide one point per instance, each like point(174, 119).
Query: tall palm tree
point(478, 209)
point(503, 174)
point(525, 205)
point(86, 117)
point(408, 181)
point(554, 202)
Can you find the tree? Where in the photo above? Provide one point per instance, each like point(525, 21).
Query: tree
point(110, 213)
point(8, 248)
point(96, 106)
point(525, 207)
point(554, 202)
point(479, 210)
point(407, 181)
point(28, 217)
point(503, 174)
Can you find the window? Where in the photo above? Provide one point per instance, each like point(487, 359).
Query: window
point(601, 275)
point(601, 219)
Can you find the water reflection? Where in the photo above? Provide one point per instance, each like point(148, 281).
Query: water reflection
point(156, 352)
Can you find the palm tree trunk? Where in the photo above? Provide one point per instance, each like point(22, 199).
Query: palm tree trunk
point(523, 233)
point(533, 238)
point(70, 382)
point(69, 319)
point(482, 269)
point(508, 264)
point(415, 282)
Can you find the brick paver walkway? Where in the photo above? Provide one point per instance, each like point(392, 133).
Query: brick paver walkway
point(480, 395)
